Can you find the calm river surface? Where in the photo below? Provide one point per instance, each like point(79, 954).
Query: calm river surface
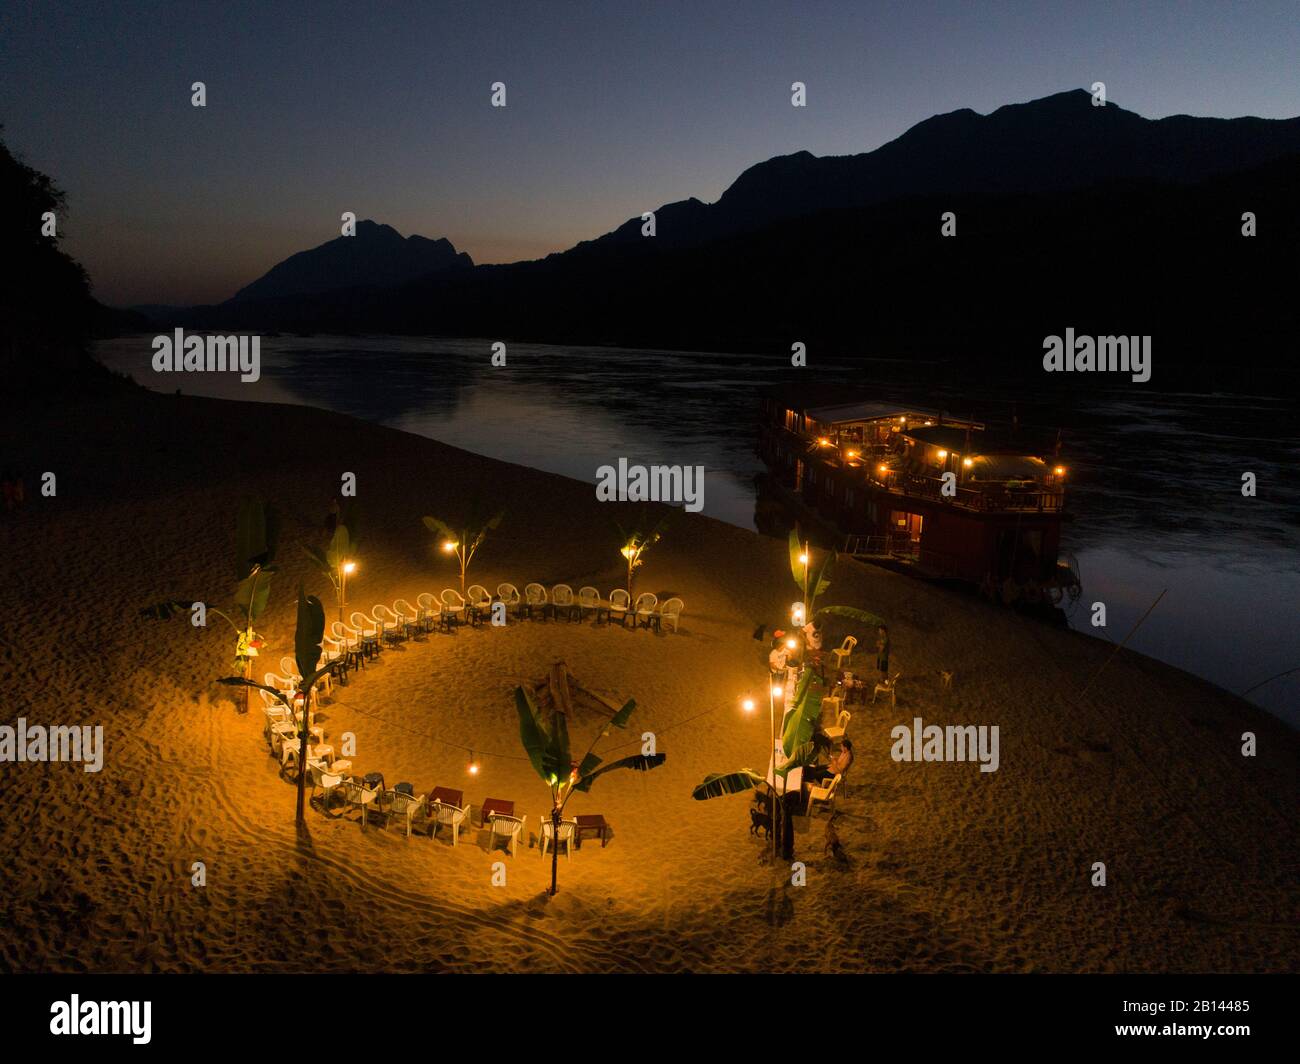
point(1155, 477)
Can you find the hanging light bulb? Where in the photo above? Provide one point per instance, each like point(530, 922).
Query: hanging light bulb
point(472, 767)
point(747, 705)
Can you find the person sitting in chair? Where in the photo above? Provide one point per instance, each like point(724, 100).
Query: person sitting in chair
point(837, 766)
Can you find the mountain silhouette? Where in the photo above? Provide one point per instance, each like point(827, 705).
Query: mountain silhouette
point(376, 255)
point(1068, 215)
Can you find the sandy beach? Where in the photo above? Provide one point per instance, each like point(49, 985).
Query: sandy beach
point(949, 869)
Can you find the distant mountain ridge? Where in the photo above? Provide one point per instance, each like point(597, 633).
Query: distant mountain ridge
point(378, 255)
point(1054, 144)
point(1067, 215)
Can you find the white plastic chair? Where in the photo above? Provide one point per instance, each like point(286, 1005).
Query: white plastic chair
point(568, 828)
point(510, 828)
point(588, 599)
point(390, 625)
point(407, 616)
point(368, 629)
point(535, 599)
point(406, 805)
point(326, 780)
point(480, 599)
point(453, 605)
point(645, 608)
point(823, 796)
point(430, 608)
point(619, 604)
point(450, 815)
point(841, 725)
point(843, 651)
point(562, 599)
point(890, 687)
point(509, 594)
point(350, 638)
point(671, 613)
point(361, 796)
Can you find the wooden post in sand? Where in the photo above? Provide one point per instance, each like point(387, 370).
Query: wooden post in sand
point(555, 846)
point(303, 736)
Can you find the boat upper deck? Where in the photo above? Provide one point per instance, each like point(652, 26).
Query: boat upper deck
point(910, 451)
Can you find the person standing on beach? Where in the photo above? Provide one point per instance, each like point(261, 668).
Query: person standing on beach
point(882, 651)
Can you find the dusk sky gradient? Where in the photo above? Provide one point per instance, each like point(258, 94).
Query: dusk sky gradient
point(613, 108)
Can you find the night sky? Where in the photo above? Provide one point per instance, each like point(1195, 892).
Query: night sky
point(613, 109)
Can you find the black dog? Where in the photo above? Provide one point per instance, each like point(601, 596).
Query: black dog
point(759, 819)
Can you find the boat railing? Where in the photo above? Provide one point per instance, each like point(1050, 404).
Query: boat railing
point(992, 498)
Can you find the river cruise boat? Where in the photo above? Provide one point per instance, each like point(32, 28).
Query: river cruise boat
point(939, 494)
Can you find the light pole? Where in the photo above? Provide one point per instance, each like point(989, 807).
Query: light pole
point(344, 570)
point(774, 691)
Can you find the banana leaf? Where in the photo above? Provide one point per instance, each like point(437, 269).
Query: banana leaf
point(252, 594)
point(717, 784)
point(341, 544)
point(308, 634)
point(350, 518)
point(620, 719)
point(318, 557)
point(532, 735)
point(823, 580)
point(796, 566)
point(256, 532)
point(797, 729)
point(853, 614)
point(640, 762)
point(558, 759)
point(802, 756)
point(164, 611)
point(440, 528)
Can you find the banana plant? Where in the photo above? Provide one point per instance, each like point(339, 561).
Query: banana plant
point(337, 560)
point(637, 541)
point(463, 542)
point(308, 634)
point(798, 748)
point(546, 741)
point(801, 568)
point(257, 530)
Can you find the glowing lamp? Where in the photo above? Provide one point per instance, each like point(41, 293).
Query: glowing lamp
point(853, 454)
point(1059, 471)
point(349, 567)
point(627, 553)
point(472, 767)
point(790, 644)
point(450, 546)
point(777, 692)
point(884, 469)
point(967, 462)
point(803, 559)
point(747, 705)
point(943, 455)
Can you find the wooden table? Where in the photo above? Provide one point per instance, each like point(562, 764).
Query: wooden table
point(594, 822)
point(447, 796)
point(495, 805)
